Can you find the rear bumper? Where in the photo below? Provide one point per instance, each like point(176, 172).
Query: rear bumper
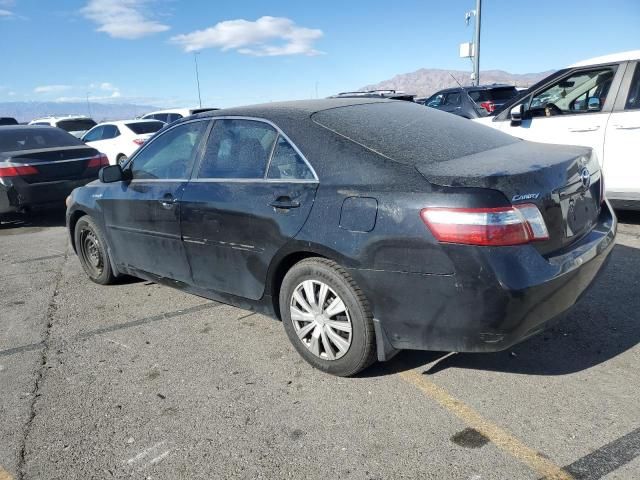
point(498, 296)
point(16, 195)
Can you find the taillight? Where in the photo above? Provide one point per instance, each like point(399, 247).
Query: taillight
point(486, 226)
point(98, 161)
point(490, 107)
point(138, 141)
point(17, 171)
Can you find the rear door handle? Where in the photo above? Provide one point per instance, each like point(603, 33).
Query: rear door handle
point(285, 203)
point(586, 129)
point(627, 127)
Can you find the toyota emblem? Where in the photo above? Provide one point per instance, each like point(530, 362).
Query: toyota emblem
point(585, 177)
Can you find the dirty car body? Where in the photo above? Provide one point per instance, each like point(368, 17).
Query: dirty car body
point(461, 238)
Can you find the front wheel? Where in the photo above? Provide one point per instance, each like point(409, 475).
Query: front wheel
point(327, 317)
point(92, 251)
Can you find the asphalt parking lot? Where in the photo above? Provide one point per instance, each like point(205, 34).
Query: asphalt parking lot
point(141, 381)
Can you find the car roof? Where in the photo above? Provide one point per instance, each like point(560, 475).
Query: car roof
point(126, 122)
point(474, 88)
point(614, 57)
point(63, 117)
point(4, 128)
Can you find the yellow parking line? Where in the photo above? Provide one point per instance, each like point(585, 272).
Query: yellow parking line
point(4, 475)
point(501, 438)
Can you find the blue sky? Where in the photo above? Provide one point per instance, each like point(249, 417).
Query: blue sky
point(255, 51)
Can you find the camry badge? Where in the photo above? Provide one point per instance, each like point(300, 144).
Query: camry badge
point(585, 177)
point(525, 196)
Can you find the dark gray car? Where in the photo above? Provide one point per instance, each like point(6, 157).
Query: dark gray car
point(472, 102)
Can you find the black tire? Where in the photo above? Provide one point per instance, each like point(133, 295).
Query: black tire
point(92, 251)
point(121, 159)
point(362, 350)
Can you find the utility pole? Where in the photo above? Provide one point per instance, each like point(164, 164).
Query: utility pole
point(476, 43)
point(195, 59)
point(88, 105)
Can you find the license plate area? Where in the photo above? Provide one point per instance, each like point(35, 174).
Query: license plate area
point(580, 209)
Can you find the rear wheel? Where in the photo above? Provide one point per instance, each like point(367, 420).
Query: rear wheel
point(327, 317)
point(92, 251)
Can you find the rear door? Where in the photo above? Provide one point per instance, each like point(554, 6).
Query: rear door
point(142, 215)
point(252, 192)
point(622, 142)
point(573, 110)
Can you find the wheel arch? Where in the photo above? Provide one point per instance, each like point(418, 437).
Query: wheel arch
point(73, 220)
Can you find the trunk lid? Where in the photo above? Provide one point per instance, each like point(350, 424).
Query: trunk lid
point(58, 163)
point(565, 183)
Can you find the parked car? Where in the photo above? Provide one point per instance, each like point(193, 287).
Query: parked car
point(595, 103)
point(8, 121)
point(40, 166)
point(472, 102)
point(366, 225)
point(75, 125)
point(118, 140)
point(173, 114)
point(385, 93)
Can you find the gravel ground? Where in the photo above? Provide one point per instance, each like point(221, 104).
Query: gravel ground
point(141, 381)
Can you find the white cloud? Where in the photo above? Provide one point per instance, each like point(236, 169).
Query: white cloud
point(51, 88)
point(122, 18)
point(267, 36)
point(11, 93)
point(5, 13)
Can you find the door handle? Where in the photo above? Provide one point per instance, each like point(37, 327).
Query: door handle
point(168, 201)
point(586, 129)
point(285, 203)
point(627, 127)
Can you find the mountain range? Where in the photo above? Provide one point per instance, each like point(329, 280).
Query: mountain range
point(27, 111)
point(427, 81)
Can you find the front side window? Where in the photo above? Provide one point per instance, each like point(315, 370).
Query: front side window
point(286, 164)
point(633, 99)
point(110, 131)
point(94, 134)
point(237, 149)
point(171, 155)
point(581, 92)
point(435, 101)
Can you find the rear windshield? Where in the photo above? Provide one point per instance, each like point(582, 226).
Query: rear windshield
point(140, 128)
point(494, 94)
point(410, 133)
point(35, 138)
point(76, 125)
point(8, 121)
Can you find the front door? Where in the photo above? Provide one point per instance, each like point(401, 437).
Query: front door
point(252, 193)
point(622, 144)
point(142, 215)
point(572, 111)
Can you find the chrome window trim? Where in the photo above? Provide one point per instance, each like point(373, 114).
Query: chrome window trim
point(158, 180)
point(264, 179)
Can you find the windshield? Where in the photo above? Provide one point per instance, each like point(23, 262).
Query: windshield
point(12, 140)
point(141, 128)
point(79, 125)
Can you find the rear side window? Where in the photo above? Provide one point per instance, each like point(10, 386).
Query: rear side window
point(35, 138)
point(453, 99)
point(141, 128)
point(411, 134)
point(172, 117)
point(237, 149)
point(633, 100)
point(110, 131)
point(163, 117)
point(286, 164)
point(171, 155)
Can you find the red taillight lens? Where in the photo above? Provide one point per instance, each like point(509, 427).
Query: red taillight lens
point(17, 171)
point(98, 161)
point(486, 226)
point(138, 141)
point(490, 107)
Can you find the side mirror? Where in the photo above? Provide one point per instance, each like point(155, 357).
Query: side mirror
point(593, 104)
point(516, 113)
point(110, 174)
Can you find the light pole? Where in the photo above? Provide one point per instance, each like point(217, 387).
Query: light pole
point(195, 59)
point(476, 42)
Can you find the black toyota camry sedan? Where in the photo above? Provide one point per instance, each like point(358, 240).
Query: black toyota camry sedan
point(367, 226)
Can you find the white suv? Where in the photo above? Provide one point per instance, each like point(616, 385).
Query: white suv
point(595, 103)
point(171, 115)
point(76, 125)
